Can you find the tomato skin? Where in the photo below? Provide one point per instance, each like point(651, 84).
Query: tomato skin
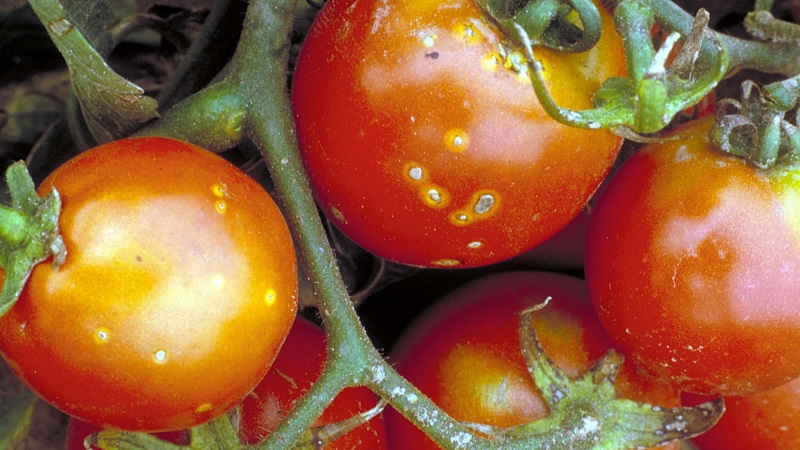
point(77, 431)
point(465, 353)
point(297, 367)
point(179, 286)
point(428, 147)
point(692, 264)
point(766, 421)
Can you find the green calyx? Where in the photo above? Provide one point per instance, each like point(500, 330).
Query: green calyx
point(755, 127)
point(550, 23)
point(29, 233)
point(655, 90)
point(587, 412)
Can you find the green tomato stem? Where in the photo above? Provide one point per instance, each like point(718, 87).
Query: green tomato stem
point(783, 59)
point(213, 118)
point(634, 21)
point(14, 226)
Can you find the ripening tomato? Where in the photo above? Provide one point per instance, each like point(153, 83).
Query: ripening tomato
point(178, 289)
point(299, 364)
point(765, 421)
point(424, 140)
point(465, 352)
point(77, 431)
point(693, 262)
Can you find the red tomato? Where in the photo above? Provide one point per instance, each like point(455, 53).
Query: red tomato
point(297, 367)
point(178, 289)
point(692, 264)
point(765, 421)
point(465, 352)
point(77, 431)
point(423, 137)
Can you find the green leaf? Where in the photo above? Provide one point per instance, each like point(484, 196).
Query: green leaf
point(15, 419)
point(112, 106)
point(31, 107)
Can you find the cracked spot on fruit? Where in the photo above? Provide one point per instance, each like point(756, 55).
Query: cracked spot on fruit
point(484, 204)
point(338, 215)
point(475, 245)
point(456, 140)
point(160, 356)
point(434, 196)
point(446, 262)
point(414, 172)
point(101, 335)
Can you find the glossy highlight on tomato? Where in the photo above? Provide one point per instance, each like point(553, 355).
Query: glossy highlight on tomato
point(424, 140)
point(692, 264)
point(464, 353)
point(178, 289)
point(297, 367)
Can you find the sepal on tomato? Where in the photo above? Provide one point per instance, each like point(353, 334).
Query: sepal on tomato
point(586, 412)
point(656, 88)
point(549, 23)
point(29, 233)
point(756, 128)
point(218, 434)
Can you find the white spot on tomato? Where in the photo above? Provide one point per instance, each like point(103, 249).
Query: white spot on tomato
point(160, 356)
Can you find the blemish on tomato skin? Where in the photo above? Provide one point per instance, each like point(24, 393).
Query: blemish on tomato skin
point(456, 140)
point(338, 215)
point(429, 40)
point(221, 207)
point(160, 356)
point(101, 335)
point(219, 190)
point(446, 262)
point(475, 245)
point(460, 218)
point(484, 204)
point(434, 196)
point(205, 407)
point(414, 172)
point(270, 297)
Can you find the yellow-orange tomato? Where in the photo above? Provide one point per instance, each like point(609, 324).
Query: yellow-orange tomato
point(423, 137)
point(178, 289)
